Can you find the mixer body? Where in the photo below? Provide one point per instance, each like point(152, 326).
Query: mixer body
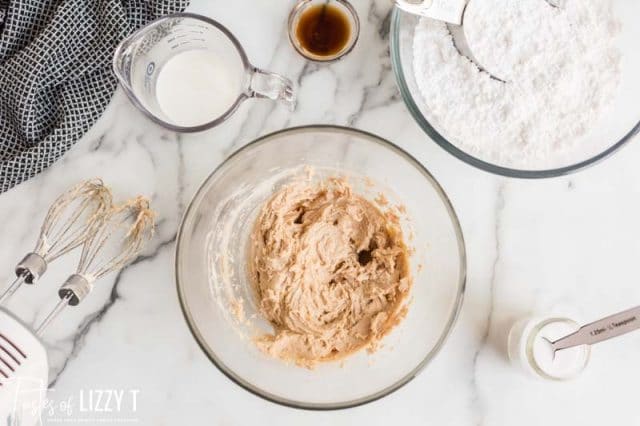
point(24, 373)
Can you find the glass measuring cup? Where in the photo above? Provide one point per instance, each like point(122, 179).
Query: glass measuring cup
point(139, 60)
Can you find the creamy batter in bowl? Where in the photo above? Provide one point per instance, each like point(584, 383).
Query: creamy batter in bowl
point(330, 271)
point(219, 302)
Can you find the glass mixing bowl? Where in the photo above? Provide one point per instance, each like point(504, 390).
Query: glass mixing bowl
point(617, 126)
point(217, 299)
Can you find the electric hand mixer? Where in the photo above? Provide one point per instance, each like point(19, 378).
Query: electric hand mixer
point(111, 238)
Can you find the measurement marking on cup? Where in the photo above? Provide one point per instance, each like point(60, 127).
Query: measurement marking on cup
point(169, 40)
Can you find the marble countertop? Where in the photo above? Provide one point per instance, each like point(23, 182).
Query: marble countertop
point(567, 245)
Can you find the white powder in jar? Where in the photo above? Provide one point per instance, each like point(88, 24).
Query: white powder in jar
point(564, 364)
point(529, 348)
point(561, 68)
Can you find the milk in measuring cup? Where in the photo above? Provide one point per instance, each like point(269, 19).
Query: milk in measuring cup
point(196, 87)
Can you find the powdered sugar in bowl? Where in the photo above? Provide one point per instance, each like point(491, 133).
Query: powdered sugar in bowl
point(571, 90)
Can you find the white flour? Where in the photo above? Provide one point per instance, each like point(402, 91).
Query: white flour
point(561, 66)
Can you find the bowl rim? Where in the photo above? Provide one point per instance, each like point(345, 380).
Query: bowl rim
point(452, 149)
point(461, 285)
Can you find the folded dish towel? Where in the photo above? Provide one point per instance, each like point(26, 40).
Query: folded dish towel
point(55, 73)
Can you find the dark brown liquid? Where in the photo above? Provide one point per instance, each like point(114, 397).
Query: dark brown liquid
point(323, 30)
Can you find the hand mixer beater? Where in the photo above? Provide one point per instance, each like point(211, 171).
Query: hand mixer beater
point(118, 239)
point(71, 219)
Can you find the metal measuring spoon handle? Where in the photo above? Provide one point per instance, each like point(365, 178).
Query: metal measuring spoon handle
point(442, 10)
point(603, 329)
point(451, 12)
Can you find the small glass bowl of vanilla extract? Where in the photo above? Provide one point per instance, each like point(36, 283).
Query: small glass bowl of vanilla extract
point(323, 30)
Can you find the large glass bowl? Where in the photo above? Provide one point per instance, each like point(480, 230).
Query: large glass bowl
point(616, 127)
point(211, 265)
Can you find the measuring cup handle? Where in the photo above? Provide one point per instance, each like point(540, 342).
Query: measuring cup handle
point(413, 5)
point(442, 10)
point(265, 84)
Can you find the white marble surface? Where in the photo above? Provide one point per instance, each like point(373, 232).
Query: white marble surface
point(568, 245)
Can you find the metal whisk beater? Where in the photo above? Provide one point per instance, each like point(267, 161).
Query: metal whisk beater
point(71, 219)
point(118, 240)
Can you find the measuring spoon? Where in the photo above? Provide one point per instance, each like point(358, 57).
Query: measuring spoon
point(452, 13)
point(597, 331)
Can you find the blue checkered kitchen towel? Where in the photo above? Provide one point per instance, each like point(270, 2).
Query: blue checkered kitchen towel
point(55, 73)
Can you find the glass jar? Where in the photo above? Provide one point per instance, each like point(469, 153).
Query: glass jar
point(529, 348)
